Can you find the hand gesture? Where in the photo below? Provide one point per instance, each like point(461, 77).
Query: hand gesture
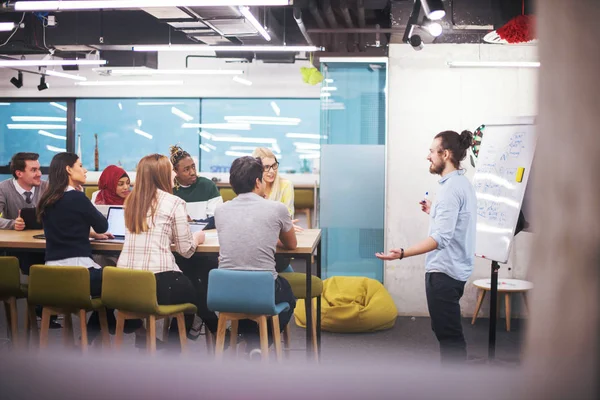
point(199, 237)
point(425, 206)
point(19, 223)
point(394, 254)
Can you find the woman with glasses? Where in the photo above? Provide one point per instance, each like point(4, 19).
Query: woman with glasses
point(277, 188)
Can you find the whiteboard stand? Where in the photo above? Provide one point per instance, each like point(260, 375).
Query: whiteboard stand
point(493, 310)
point(500, 179)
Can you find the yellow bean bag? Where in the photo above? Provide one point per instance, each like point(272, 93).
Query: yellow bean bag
point(352, 304)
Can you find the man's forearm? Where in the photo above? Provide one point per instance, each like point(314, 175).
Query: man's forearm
point(424, 246)
point(7, 223)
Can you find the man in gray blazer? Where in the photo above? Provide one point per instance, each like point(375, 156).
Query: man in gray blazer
point(24, 190)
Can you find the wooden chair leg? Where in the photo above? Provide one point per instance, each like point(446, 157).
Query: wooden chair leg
point(33, 326)
point(166, 326)
point(83, 327)
point(287, 336)
point(45, 327)
point(507, 310)
point(233, 338)
point(104, 328)
point(151, 334)
point(119, 330)
point(276, 337)
point(68, 337)
point(525, 302)
point(263, 329)
point(478, 306)
point(308, 220)
point(14, 327)
point(182, 332)
point(220, 342)
point(313, 306)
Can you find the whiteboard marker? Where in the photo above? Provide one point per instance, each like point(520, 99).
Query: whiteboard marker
point(425, 198)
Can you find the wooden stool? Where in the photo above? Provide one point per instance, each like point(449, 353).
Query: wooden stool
point(506, 286)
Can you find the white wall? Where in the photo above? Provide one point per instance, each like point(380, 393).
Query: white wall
point(269, 80)
point(426, 97)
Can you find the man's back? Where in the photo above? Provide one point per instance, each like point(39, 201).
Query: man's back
point(248, 228)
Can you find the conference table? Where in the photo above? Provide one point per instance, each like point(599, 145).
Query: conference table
point(309, 245)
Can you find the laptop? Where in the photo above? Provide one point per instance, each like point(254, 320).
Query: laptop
point(116, 224)
point(29, 216)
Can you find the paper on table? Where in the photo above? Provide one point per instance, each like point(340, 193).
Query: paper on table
point(197, 210)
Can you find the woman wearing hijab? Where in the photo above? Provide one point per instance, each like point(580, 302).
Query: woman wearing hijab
point(113, 186)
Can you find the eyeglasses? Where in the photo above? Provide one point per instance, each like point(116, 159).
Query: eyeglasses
point(273, 167)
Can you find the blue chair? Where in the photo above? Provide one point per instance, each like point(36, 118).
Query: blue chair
point(240, 295)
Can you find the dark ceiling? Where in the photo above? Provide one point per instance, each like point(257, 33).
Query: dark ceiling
point(342, 27)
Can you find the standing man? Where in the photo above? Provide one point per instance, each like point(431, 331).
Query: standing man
point(23, 191)
point(450, 246)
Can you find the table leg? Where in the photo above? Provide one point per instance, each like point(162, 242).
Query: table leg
point(307, 307)
point(319, 301)
point(507, 310)
point(478, 306)
point(525, 302)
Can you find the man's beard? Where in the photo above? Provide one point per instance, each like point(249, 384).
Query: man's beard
point(436, 169)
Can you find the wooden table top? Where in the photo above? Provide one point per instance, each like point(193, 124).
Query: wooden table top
point(307, 242)
point(505, 285)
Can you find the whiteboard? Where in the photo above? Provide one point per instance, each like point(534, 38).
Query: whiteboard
point(504, 149)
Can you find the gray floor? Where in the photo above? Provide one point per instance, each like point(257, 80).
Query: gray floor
point(410, 338)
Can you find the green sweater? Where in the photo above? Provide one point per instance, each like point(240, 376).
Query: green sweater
point(202, 198)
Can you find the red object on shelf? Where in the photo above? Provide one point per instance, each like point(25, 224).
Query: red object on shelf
point(518, 30)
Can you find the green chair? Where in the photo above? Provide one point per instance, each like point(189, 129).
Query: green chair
point(133, 294)
point(297, 281)
point(89, 191)
point(304, 201)
point(64, 291)
point(227, 193)
point(11, 290)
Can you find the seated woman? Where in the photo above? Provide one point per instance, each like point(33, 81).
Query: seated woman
point(277, 189)
point(67, 215)
point(155, 219)
point(113, 186)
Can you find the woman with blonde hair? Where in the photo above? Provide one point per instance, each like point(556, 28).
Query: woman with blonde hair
point(154, 219)
point(277, 188)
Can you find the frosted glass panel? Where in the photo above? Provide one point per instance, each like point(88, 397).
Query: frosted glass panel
point(352, 186)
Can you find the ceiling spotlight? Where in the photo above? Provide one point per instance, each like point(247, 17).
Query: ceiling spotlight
point(434, 9)
point(43, 85)
point(416, 42)
point(18, 82)
point(434, 28)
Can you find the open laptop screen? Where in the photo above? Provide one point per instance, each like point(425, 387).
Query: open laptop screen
point(116, 222)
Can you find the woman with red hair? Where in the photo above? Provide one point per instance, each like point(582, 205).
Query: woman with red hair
point(114, 186)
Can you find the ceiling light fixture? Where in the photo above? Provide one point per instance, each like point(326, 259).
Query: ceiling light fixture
point(434, 28)
point(60, 106)
point(493, 64)
point(181, 114)
point(434, 9)
point(275, 108)
point(257, 25)
point(17, 82)
point(52, 135)
point(129, 83)
point(64, 75)
point(207, 48)
point(43, 85)
point(7, 26)
point(147, 71)
point(242, 81)
point(47, 63)
point(118, 4)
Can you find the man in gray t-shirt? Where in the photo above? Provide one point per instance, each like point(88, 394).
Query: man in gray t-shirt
point(250, 228)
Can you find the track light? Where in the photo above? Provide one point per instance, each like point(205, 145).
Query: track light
point(18, 82)
point(434, 9)
point(434, 28)
point(43, 85)
point(416, 42)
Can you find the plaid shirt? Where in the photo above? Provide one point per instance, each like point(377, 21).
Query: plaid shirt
point(151, 250)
